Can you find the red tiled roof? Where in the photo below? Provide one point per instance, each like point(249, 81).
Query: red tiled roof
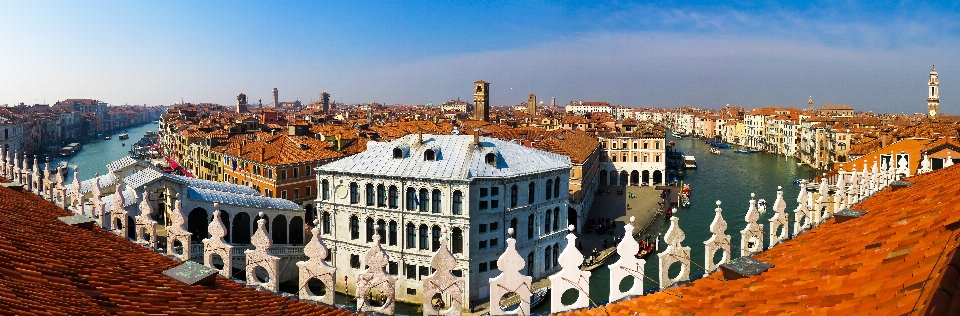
point(48, 267)
point(898, 259)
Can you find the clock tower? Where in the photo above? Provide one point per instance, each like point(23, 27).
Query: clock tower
point(481, 101)
point(933, 94)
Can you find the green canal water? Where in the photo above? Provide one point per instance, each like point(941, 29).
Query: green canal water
point(729, 177)
point(96, 154)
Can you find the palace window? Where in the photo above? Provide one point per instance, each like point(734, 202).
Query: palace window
point(354, 193)
point(457, 202)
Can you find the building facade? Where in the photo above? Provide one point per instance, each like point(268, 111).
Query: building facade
point(413, 189)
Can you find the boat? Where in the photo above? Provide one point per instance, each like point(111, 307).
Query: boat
point(689, 162)
point(62, 168)
point(123, 135)
point(719, 145)
point(677, 135)
point(600, 260)
point(537, 297)
point(645, 250)
point(799, 181)
point(685, 195)
point(762, 205)
point(715, 151)
point(107, 137)
point(752, 151)
point(123, 144)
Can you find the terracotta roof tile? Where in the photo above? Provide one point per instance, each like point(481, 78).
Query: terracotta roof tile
point(890, 261)
point(47, 267)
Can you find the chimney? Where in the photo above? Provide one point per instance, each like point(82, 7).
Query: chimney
point(476, 136)
point(262, 152)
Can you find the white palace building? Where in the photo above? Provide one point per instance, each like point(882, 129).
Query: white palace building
point(418, 186)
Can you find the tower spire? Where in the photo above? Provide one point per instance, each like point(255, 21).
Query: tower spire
point(933, 94)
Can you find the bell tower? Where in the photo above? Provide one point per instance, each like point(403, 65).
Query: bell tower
point(532, 104)
point(933, 94)
point(481, 101)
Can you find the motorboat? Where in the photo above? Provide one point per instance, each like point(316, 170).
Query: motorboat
point(107, 137)
point(715, 151)
point(123, 135)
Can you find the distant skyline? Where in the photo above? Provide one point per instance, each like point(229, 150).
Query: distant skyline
point(870, 55)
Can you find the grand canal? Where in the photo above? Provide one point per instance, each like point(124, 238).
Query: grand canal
point(729, 177)
point(96, 154)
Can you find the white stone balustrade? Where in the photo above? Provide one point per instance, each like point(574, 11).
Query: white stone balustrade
point(317, 268)
point(719, 241)
point(570, 277)
point(628, 265)
point(176, 233)
point(510, 280)
point(443, 283)
point(675, 253)
point(780, 220)
point(217, 245)
point(374, 283)
point(118, 215)
point(146, 226)
point(802, 219)
point(260, 257)
point(751, 237)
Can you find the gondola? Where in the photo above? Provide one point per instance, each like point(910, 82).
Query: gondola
point(599, 260)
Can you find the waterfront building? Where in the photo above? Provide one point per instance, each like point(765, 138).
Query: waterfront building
point(13, 138)
point(415, 186)
point(835, 110)
point(635, 158)
point(933, 95)
point(587, 107)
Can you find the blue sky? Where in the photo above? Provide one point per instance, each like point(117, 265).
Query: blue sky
point(871, 55)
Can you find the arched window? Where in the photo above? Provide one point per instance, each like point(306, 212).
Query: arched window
point(397, 153)
point(513, 196)
point(530, 263)
point(381, 195)
point(394, 196)
point(635, 158)
point(429, 155)
point(457, 202)
point(423, 237)
point(411, 236)
point(556, 219)
point(354, 193)
point(435, 233)
point(513, 225)
point(613, 158)
point(424, 201)
point(457, 240)
point(326, 222)
point(531, 191)
point(530, 226)
point(556, 187)
point(370, 195)
point(411, 199)
point(547, 256)
point(393, 234)
point(435, 207)
point(325, 189)
point(354, 227)
point(369, 229)
point(549, 190)
point(382, 231)
point(491, 159)
point(546, 221)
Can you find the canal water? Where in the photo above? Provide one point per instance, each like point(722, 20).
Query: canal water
point(96, 154)
point(729, 177)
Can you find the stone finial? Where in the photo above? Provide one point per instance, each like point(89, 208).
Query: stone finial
point(675, 253)
point(118, 215)
point(949, 161)
point(779, 220)
point(146, 226)
point(570, 277)
point(802, 220)
point(821, 207)
point(317, 268)
point(375, 278)
point(443, 282)
point(216, 244)
point(924, 165)
point(260, 256)
point(853, 187)
point(718, 241)
point(903, 167)
point(840, 195)
point(627, 265)
point(864, 182)
point(510, 280)
point(751, 240)
point(177, 233)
